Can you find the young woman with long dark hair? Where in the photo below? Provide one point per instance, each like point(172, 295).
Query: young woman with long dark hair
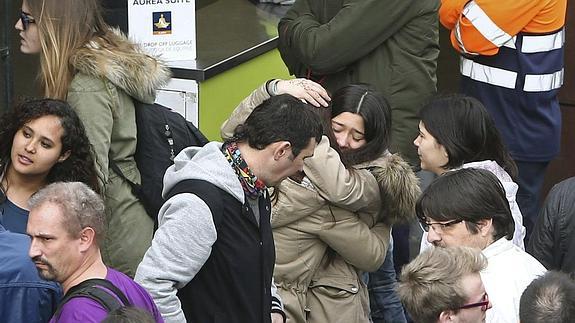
point(43, 141)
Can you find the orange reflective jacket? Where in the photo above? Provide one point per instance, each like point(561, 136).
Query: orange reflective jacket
point(481, 27)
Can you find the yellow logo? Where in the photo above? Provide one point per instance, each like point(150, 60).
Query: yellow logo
point(162, 23)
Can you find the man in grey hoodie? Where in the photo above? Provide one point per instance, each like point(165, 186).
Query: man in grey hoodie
point(212, 257)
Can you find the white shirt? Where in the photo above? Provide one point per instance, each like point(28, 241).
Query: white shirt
point(509, 271)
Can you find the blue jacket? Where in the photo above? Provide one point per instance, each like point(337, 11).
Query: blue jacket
point(24, 296)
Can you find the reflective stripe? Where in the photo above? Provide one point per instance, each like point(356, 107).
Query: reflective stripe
point(504, 78)
point(460, 42)
point(545, 43)
point(543, 82)
point(488, 74)
point(485, 25)
point(511, 43)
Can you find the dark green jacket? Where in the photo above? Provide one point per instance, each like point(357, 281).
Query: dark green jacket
point(391, 44)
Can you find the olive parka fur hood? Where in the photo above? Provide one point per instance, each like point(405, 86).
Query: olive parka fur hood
point(124, 65)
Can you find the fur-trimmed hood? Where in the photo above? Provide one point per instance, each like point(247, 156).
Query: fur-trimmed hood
point(399, 188)
point(123, 64)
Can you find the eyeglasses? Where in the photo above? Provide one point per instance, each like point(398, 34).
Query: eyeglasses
point(437, 226)
point(484, 304)
point(26, 19)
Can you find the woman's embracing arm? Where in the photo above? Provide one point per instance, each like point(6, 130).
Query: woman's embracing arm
point(243, 111)
point(351, 189)
point(305, 90)
point(361, 246)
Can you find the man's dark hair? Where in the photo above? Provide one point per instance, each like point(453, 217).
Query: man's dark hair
point(280, 118)
point(470, 195)
point(549, 298)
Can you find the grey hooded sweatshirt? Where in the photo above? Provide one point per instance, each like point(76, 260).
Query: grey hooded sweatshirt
point(186, 233)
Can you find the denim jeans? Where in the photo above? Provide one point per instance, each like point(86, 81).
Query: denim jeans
point(383, 300)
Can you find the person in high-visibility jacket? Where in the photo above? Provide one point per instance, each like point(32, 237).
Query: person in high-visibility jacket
point(512, 61)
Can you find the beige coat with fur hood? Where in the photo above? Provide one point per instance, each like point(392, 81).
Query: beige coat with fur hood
point(101, 92)
point(331, 227)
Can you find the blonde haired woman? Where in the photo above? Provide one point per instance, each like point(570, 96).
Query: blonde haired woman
point(99, 72)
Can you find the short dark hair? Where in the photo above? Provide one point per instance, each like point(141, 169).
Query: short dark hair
point(465, 128)
point(376, 114)
point(549, 298)
point(470, 195)
point(279, 118)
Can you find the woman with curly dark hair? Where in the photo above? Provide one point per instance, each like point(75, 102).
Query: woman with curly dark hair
point(43, 141)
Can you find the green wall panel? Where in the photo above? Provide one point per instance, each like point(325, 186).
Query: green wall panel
point(219, 95)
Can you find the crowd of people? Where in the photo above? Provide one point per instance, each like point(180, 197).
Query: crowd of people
point(290, 217)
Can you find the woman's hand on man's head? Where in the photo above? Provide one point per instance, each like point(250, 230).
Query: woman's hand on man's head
point(305, 90)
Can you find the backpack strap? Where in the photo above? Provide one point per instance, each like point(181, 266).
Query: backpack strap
point(208, 192)
point(136, 188)
point(198, 136)
point(100, 290)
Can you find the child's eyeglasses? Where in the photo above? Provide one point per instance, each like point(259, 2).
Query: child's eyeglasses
point(484, 304)
point(26, 19)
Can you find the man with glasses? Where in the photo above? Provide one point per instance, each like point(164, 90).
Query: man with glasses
point(468, 207)
point(444, 285)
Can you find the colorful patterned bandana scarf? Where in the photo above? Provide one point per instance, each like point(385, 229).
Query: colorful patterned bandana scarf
point(252, 186)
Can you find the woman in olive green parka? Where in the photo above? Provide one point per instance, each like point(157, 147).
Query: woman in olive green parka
point(103, 92)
